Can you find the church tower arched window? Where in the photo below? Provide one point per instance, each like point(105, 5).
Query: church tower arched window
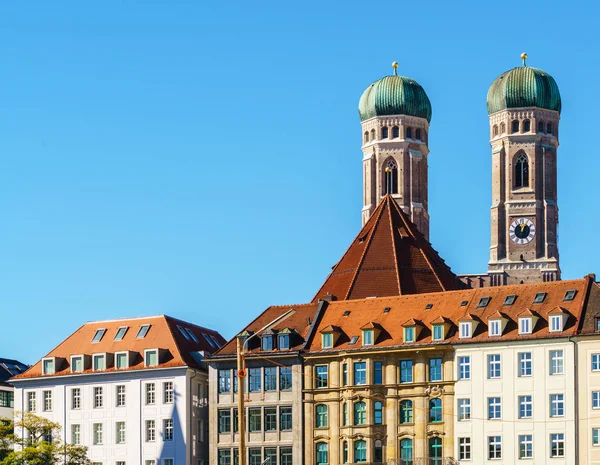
point(502, 128)
point(390, 178)
point(540, 126)
point(521, 171)
point(515, 126)
point(395, 132)
point(384, 133)
point(418, 134)
point(526, 125)
point(366, 136)
point(408, 133)
point(549, 128)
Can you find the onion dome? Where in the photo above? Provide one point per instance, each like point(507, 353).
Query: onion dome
point(523, 87)
point(394, 95)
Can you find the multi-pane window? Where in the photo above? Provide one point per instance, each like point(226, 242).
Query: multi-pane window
point(378, 373)
point(168, 429)
point(494, 447)
point(345, 414)
point(378, 413)
point(494, 408)
point(120, 432)
point(283, 342)
point(254, 419)
point(595, 399)
point(368, 337)
point(526, 446)
point(360, 451)
point(254, 456)
point(406, 411)
point(150, 393)
point(150, 430)
point(120, 394)
point(270, 418)
point(464, 329)
point(409, 334)
point(435, 410)
point(224, 420)
point(76, 364)
point(464, 367)
point(464, 448)
point(494, 367)
point(47, 401)
point(595, 436)
point(168, 392)
point(360, 413)
point(99, 362)
point(121, 360)
point(406, 451)
point(267, 342)
point(345, 374)
point(98, 397)
point(595, 362)
point(435, 451)
point(321, 416)
point(270, 378)
point(270, 455)
point(524, 325)
point(557, 445)
point(435, 369)
point(378, 451)
point(525, 364)
point(224, 380)
point(321, 375)
point(254, 379)
point(557, 405)
point(7, 399)
point(285, 418)
point(327, 340)
point(285, 378)
point(31, 407)
point(525, 406)
point(557, 362)
point(75, 398)
point(555, 323)
point(322, 453)
point(360, 373)
point(75, 434)
point(285, 456)
point(168, 462)
point(464, 409)
point(406, 371)
point(97, 434)
point(494, 327)
point(438, 332)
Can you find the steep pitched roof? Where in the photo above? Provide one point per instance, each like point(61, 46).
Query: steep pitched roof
point(10, 368)
point(163, 333)
point(388, 257)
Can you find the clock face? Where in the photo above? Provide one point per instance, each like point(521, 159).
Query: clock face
point(522, 231)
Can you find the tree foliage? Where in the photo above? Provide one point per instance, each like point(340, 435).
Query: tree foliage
point(28, 439)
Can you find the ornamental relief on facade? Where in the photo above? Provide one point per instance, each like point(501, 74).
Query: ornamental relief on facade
point(434, 391)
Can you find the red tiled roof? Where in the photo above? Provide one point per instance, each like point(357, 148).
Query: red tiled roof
point(388, 257)
point(447, 306)
point(163, 334)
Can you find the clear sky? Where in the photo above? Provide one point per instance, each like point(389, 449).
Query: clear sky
point(202, 159)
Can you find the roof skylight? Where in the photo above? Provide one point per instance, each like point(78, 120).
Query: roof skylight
point(121, 333)
point(192, 335)
point(216, 341)
point(510, 299)
point(386, 310)
point(539, 297)
point(483, 302)
point(353, 340)
point(207, 339)
point(570, 295)
point(98, 335)
point(464, 303)
point(143, 331)
point(347, 312)
point(183, 333)
point(428, 306)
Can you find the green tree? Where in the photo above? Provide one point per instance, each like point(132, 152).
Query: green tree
point(39, 443)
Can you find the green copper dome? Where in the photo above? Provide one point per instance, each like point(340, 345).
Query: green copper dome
point(523, 87)
point(394, 95)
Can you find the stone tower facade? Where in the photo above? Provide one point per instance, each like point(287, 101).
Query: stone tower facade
point(524, 212)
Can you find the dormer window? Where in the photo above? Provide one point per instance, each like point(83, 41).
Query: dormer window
point(151, 357)
point(465, 329)
point(495, 327)
point(76, 363)
point(48, 366)
point(367, 337)
point(556, 323)
point(266, 342)
point(99, 362)
point(525, 325)
point(327, 340)
point(539, 297)
point(409, 334)
point(120, 333)
point(121, 360)
point(510, 299)
point(98, 335)
point(143, 331)
point(438, 332)
point(570, 295)
point(283, 342)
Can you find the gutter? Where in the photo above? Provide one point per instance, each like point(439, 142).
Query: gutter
point(576, 382)
point(191, 398)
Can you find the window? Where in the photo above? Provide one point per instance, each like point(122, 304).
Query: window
point(285, 378)
point(266, 342)
point(254, 379)
point(555, 323)
point(254, 417)
point(406, 371)
point(391, 177)
point(464, 448)
point(384, 133)
point(395, 132)
point(360, 451)
point(121, 333)
point(98, 397)
point(494, 408)
point(409, 334)
point(510, 299)
point(464, 329)
point(595, 436)
point(406, 451)
point(120, 436)
point(438, 332)
point(151, 357)
point(494, 447)
point(435, 451)
point(596, 399)
point(495, 327)
point(435, 369)
point(285, 418)
point(150, 393)
point(285, 456)
point(168, 429)
point(526, 125)
point(464, 409)
point(378, 451)
point(408, 133)
point(152, 462)
point(7, 399)
point(98, 335)
point(539, 298)
point(360, 373)
point(525, 364)
point(556, 362)
point(515, 127)
point(270, 378)
point(327, 340)
point(76, 364)
point(378, 413)
point(540, 127)
point(525, 326)
point(224, 381)
point(557, 445)
point(75, 434)
point(526, 446)
point(168, 392)
point(99, 362)
point(322, 376)
point(270, 455)
point(97, 429)
point(121, 360)
point(31, 402)
point(322, 453)
point(418, 134)
point(435, 411)
point(464, 367)
point(378, 373)
point(549, 128)
point(367, 337)
point(47, 395)
point(495, 130)
point(569, 295)
point(167, 462)
point(557, 405)
point(224, 420)
point(120, 391)
point(494, 367)
point(502, 128)
point(406, 411)
point(366, 136)
point(143, 331)
point(360, 413)
point(270, 418)
point(283, 342)
point(521, 171)
point(224, 457)
point(525, 407)
point(483, 302)
point(345, 414)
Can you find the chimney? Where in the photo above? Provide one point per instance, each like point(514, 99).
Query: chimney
point(329, 297)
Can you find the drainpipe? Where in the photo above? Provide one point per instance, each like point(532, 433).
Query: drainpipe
point(191, 396)
point(576, 365)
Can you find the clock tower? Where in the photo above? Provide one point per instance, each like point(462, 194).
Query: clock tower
point(524, 111)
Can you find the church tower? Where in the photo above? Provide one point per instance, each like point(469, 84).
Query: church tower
point(395, 113)
point(524, 110)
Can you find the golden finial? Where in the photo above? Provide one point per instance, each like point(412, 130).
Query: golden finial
point(524, 58)
point(395, 66)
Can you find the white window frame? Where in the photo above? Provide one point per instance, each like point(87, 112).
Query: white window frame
point(327, 340)
point(554, 438)
point(595, 362)
point(465, 330)
point(76, 434)
point(168, 424)
point(525, 325)
point(120, 433)
point(98, 397)
point(526, 440)
point(117, 355)
point(52, 370)
point(489, 443)
point(439, 328)
point(464, 448)
point(98, 357)
point(47, 400)
point(120, 395)
point(525, 400)
point(595, 400)
point(150, 394)
point(494, 404)
point(595, 437)
point(525, 364)
point(409, 334)
point(556, 356)
point(495, 328)
point(146, 353)
point(557, 401)
point(464, 361)
point(77, 357)
point(97, 434)
point(464, 409)
point(368, 337)
point(555, 325)
point(494, 366)
point(75, 405)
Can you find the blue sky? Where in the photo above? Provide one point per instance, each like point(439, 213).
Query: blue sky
point(202, 159)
